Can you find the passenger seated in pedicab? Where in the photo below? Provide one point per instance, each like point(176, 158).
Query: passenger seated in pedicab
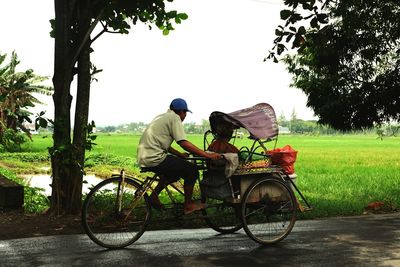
point(223, 134)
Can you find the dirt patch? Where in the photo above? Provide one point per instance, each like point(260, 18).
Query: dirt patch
point(16, 224)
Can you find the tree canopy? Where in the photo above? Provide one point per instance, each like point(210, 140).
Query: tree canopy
point(348, 60)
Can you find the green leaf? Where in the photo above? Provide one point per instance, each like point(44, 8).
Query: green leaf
point(322, 18)
point(295, 18)
point(285, 14)
point(170, 27)
point(165, 32)
point(314, 23)
point(172, 14)
point(183, 16)
point(301, 30)
point(160, 24)
point(289, 37)
point(42, 122)
point(53, 27)
point(278, 32)
point(281, 48)
point(307, 6)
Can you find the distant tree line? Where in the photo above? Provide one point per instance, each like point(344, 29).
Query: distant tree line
point(299, 126)
point(139, 127)
point(294, 125)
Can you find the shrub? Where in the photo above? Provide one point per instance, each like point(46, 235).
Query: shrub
point(109, 159)
point(12, 140)
point(26, 156)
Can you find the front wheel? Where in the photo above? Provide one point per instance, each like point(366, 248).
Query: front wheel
point(115, 213)
point(268, 211)
point(222, 216)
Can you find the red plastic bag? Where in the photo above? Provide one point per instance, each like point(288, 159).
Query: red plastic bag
point(284, 157)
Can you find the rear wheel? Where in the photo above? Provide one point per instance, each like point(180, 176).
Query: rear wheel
point(223, 217)
point(268, 211)
point(115, 213)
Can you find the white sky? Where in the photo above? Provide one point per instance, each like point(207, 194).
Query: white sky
point(214, 60)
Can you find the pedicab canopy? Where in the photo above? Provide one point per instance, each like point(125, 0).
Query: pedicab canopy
point(260, 120)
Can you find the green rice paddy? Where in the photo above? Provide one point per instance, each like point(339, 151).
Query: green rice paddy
point(338, 175)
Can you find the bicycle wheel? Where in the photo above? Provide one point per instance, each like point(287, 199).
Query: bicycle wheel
point(223, 217)
point(268, 211)
point(115, 213)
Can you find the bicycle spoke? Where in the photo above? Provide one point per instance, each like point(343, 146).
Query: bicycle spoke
point(113, 216)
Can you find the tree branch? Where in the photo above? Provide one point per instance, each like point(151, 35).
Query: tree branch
point(98, 35)
point(85, 39)
point(103, 31)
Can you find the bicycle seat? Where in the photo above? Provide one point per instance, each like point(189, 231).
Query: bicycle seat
point(146, 169)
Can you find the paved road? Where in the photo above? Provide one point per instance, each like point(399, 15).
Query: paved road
point(372, 240)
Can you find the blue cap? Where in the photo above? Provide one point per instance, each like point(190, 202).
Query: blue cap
point(179, 104)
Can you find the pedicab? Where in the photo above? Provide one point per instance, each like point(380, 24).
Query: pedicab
point(245, 189)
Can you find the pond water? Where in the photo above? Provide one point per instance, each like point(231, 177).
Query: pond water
point(44, 181)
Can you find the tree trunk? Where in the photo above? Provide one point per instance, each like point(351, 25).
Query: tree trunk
point(61, 160)
point(82, 106)
point(72, 41)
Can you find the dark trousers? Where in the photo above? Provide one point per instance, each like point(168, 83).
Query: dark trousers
point(173, 168)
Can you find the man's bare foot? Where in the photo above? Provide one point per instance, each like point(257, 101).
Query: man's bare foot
point(193, 206)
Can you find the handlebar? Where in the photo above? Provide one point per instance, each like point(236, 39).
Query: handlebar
point(197, 158)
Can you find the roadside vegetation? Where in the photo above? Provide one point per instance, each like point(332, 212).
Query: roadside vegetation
point(17, 91)
point(338, 174)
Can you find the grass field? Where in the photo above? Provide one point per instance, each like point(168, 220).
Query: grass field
point(339, 175)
